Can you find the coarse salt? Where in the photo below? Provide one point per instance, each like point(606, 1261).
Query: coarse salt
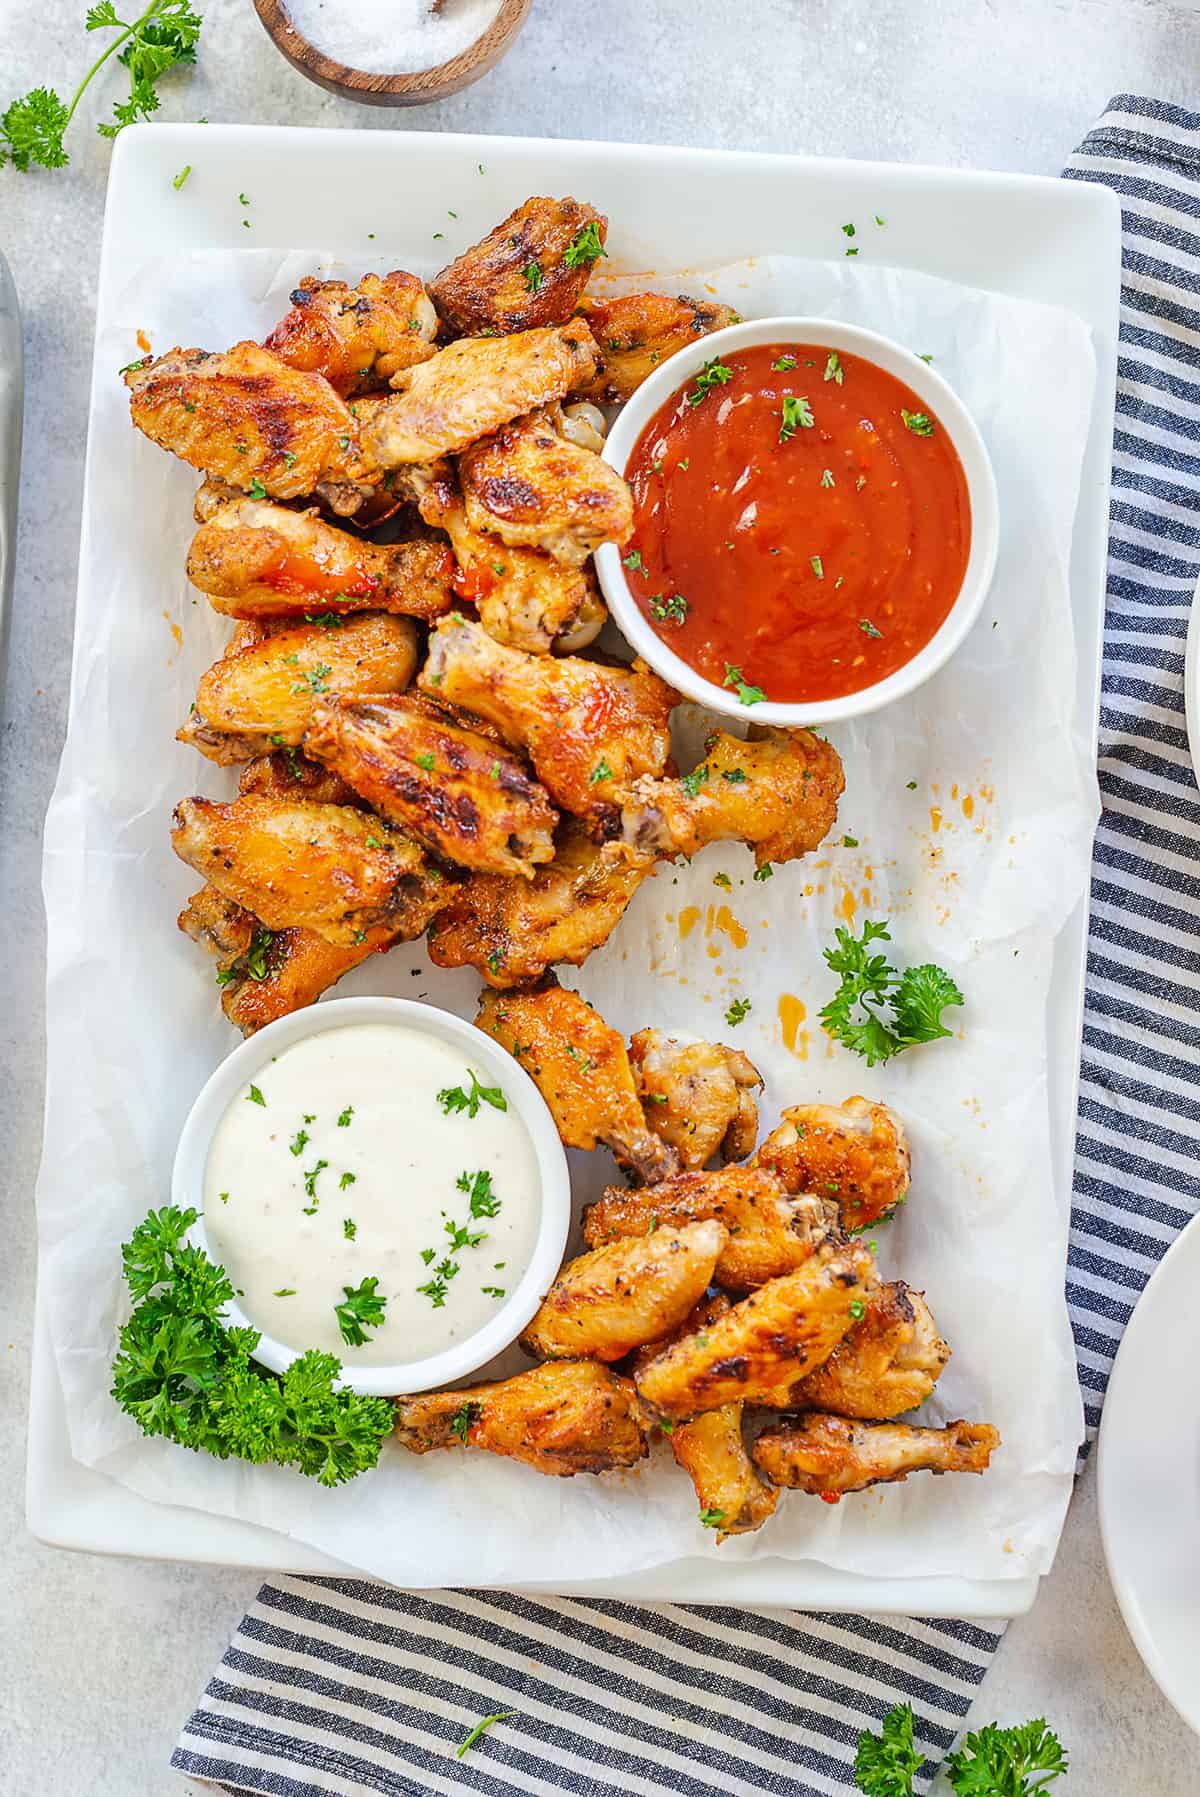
point(392, 37)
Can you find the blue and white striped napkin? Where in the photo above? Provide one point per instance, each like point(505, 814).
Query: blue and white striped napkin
point(347, 1687)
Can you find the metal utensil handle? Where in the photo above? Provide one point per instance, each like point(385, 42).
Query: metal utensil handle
point(12, 397)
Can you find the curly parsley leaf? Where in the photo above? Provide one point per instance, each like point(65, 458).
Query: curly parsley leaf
point(885, 1763)
point(876, 1011)
point(363, 1308)
point(1007, 1762)
point(455, 1098)
point(180, 1372)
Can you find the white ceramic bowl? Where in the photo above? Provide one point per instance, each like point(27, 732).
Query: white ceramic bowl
point(501, 1329)
point(952, 416)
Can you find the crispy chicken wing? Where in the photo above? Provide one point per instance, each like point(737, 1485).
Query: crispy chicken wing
point(262, 694)
point(855, 1152)
point(529, 485)
point(770, 1233)
point(589, 730)
point(265, 974)
point(636, 333)
point(757, 1351)
point(327, 868)
point(563, 1418)
point(524, 597)
point(697, 1095)
point(778, 793)
point(244, 416)
point(826, 1455)
point(286, 774)
point(472, 387)
point(581, 1068)
point(357, 337)
point(258, 560)
point(613, 1299)
point(529, 270)
point(512, 930)
point(889, 1362)
point(451, 788)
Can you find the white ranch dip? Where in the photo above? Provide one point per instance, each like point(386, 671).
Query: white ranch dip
point(371, 1152)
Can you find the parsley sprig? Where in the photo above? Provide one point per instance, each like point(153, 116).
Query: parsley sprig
point(857, 1013)
point(456, 1098)
point(181, 1373)
point(32, 129)
point(362, 1309)
point(992, 1761)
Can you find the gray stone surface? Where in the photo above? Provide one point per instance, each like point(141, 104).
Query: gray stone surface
point(107, 1656)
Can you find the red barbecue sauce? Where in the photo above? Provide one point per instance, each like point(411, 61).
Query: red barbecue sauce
point(791, 555)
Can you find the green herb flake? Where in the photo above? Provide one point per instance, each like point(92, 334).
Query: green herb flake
point(533, 276)
point(818, 566)
point(254, 1096)
point(601, 771)
point(349, 1228)
point(257, 490)
point(784, 363)
point(182, 176)
point(747, 694)
point(919, 423)
point(500, 1715)
point(714, 373)
point(796, 415)
point(833, 368)
point(585, 247)
point(455, 1098)
point(362, 1309)
point(827, 477)
point(738, 1011)
point(668, 611)
point(868, 629)
point(633, 561)
point(711, 1518)
point(765, 871)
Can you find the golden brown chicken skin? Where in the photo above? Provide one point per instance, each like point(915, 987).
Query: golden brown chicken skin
point(453, 789)
point(244, 417)
point(567, 1417)
point(258, 560)
point(829, 1455)
point(472, 387)
point(697, 1095)
point(531, 486)
point(266, 974)
point(855, 1152)
point(581, 1067)
point(529, 270)
point(887, 1364)
point(637, 332)
point(357, 337)
point(328, 868)
point(770, 1233)
point(589, 730)
point(262, 694)
point(513, 929)
point(287, 774)
point(757, 1351)
point(778, 793)
point(524, 597)
point(613, 1299)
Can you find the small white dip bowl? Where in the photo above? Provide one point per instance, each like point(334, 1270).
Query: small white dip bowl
point(479, 1051)
point(952, 416)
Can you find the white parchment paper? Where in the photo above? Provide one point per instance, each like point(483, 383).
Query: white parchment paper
point(971, 804)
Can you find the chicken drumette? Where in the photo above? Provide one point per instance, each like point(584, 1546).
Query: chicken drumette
point(697, 1095)
point(530, 270)
point(637, 332)
point(531, 486)
point(828, 1455)
point(563, 1418)
point(581, 1067)
point(855, 1153)
point(614, 1299)
point(888, 1363)
point(357, 337)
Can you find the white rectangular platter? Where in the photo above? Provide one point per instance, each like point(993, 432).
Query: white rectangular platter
point(1045, 240)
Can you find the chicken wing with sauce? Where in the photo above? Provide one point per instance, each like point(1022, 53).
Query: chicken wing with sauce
point(453, 789)
point(245, 416)
point(357, 337)
point(757, 1351)
point(637, 332)
point(328, 868)
point(611, 1300)
point(530, 270)
point(266, 974)
point(567, 1417)
point(856, 1153)
point(778, 793)
point(889, 1362)
point(531, 486)
point(262, 694)
point(589, 730)
point(827, 1455)
point(472, 387)
point(512, 929)
point(258, 560)
point(770, 1233)
point(697, 1095)
point(581, 1068)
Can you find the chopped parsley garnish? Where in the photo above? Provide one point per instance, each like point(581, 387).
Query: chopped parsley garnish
point(254, 1096)
point(738, 1010)
point(919, 423)
point(500, 1715)
point(285, 1291)
point(849, 842)
point(462, 1419)
point(736, 776)
point(425, 761)
point(344, 1117)
point(713, 374)
point(871, 988)
point(784, 362)
point(867, 628)
point(328, 620)
point(298, 1140)
point(723, 881)
point(691, 783)
point(818, 566)
point(347, 1179)
point(633, 561)
point(797, 415)
point(311, 1177)
point(585, 247)
point(455, 1098)
point(669, 611)
point(481, 1200)
point(827, 477)
point(858, 1309)
point(182, 176)
point(853, 252)
point(747, 695)
point(256, 954)
point(492, 1291)
point(601, 771)
point(833, 368)
point(533, 276)
point(849, 230)
point(765, 871)
point(362, 1309)
point(712, 1519)
point(349, 1228)
point(257, 490)
point(316, 680)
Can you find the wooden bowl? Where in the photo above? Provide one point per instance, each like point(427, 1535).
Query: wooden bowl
point(395, 90)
